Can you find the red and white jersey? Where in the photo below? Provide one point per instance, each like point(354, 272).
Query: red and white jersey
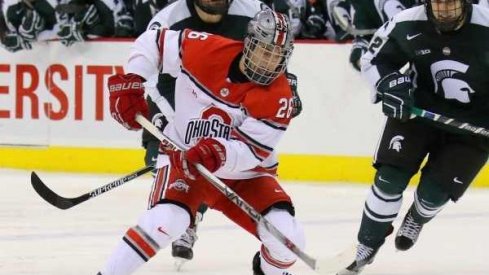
point(248, 119)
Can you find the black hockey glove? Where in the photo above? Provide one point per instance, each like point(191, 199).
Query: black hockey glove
point(360, 46)
point(32, 24)
point(296, 101)
point(396, 91)
point(314, 27)
point(124, 25)
point(70, 33)
point(14, 42)
point(88, 18)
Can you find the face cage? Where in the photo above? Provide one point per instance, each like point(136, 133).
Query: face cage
point(214, 9)
point(258, 61)
point(449, 24)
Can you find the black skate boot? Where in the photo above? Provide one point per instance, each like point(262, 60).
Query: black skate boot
point(257, 268)
point(408, 233)
point(256, 265)
point(365, 255)
point(181, 249)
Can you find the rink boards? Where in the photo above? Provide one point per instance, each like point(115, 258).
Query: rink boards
point(54, 114)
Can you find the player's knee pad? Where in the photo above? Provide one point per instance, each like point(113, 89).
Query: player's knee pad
point(429, 197)
point(392, 180)
point(164, 223)
point(273, 251)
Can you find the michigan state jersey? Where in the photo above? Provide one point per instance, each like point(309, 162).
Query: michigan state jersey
point(449, 70)
point(371, 14)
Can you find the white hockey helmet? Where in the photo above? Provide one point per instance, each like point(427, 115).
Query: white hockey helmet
point(267, 46)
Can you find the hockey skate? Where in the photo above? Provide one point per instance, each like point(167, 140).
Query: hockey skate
point(257, 266)
point(365, 255)
point(181, 249)
point(408, 233)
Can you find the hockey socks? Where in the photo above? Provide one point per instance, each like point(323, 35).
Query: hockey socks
point(379, 212)
point(156, 229)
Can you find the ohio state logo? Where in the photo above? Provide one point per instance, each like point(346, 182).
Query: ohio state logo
point(213, 123)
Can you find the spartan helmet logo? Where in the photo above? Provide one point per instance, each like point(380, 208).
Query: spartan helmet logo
point(447, 77)
point(395, 143)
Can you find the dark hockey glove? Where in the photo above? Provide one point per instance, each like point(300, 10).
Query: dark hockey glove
point(314, 27)
point(32, 24)
point(396, 91)
point(14, 42)
point(88, 18)
point(296, 100)
point(360, 46)
point(124, 25)
point(70, 33)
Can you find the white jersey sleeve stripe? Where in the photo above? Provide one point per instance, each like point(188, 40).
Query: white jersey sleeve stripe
point(274, 125)
point(249, 147)
point(252, 141)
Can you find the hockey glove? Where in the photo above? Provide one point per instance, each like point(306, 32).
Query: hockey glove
point(32, 24)
point(296, 100)
point(88, 18)
point(127, 99)
point(314, 27)
point(360, 46)
point(124, 25)
point(208, 152)
point(70, 33)
point(396, 91)
point(14, 42)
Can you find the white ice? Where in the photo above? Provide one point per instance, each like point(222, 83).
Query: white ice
point(36, 238)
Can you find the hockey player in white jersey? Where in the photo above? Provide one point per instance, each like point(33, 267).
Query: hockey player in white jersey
point(227, 18)
point(233, 104)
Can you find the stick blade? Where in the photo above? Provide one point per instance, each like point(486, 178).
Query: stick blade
point(48, 195)
point(333, 265)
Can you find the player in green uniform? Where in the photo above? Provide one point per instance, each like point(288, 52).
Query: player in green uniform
point(445, 43)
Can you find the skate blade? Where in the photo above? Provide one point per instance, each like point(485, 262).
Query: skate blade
point(179, 262)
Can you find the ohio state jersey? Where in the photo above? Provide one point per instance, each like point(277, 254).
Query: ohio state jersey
point(248, 119)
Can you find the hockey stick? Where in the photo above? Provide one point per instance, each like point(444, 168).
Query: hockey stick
point(450, 122)
point(66, 203)
point(232, 196)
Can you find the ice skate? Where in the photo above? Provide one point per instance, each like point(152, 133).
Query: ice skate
point(408, 233)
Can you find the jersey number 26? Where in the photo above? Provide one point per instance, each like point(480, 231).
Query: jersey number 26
point(285, 109)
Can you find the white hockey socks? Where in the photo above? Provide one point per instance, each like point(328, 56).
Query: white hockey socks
point(275, 257)
point(382, 207)
point(156, 229)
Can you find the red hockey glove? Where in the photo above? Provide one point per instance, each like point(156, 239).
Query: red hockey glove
point(127, 99)
point(208, 152)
